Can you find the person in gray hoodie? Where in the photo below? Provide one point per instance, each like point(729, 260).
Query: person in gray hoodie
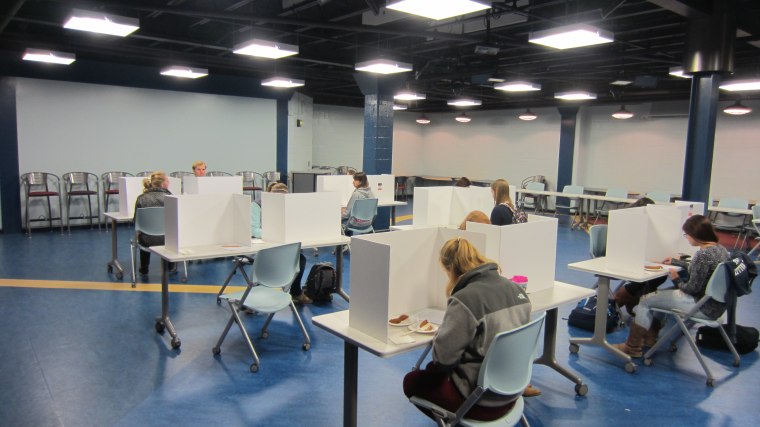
point(361, 191)
point(481, 304)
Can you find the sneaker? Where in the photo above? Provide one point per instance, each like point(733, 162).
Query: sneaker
point(531, 391)
point(173, 269)
point(302, 299)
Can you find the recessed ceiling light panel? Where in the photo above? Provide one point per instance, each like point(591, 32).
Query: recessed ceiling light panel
point(399, 107)
point(265, 49)
point(383, 66)
point(103, 23)
point(49, 56)
point(621, 82)
point(184, 72)
point(282, 82)
point(517, 86)
point(571, 36)
point(409, 96)
point(741, 85)
point(678, 72)
point(575, 95)
point(438, 9)
point(464, 102)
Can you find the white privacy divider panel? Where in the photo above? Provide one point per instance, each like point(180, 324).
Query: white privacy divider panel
point(130, 187)
point(207, 219)
point(297, 217)
point(395, 273)
point(382, 186)
point(212, 185)
point(448, 206)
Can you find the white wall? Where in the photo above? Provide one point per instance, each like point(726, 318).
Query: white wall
point(64, 127)
point(300, 138)
point(338, 136)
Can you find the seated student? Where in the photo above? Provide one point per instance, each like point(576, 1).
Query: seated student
point(481, 304)
point(474, 216)
point(647, 323)
point(156, 188)
point(199, 168)
point(361, 191)
point(463, 182)
point(503, 212)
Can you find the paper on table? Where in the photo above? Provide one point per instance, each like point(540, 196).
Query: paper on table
point(402, 339)
point(256, 241)
point(231, 247)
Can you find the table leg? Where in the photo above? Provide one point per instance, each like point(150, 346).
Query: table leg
point(114, 265)
point(393, 215)
point(600, 326)
point(350, 380)
point(164, 321)
point(548, 357)
point(339, 272)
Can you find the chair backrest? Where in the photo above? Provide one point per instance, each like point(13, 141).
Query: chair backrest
point(146, 174)
point(80, 179)
point(733, 202)
point(573, 189)
point(41, 179)
point(616, 192)
point(180, 174)
point(363, 211)
point(598, 240)
point(535, 186)
point(112, 178)
point(717, 286)
point(150, 221)
point(277, 267)
point(756, 212)
point(508, 364)
point(218, 173)
point(659, 196)
point(534, 178)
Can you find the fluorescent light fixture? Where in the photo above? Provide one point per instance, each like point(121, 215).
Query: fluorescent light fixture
point(265, 49)
point(527, 115)
point(737, 109)
point(438, 9)
point(98, 22)
point(463, 118)
point(383, 66)
point(184, 72)
point(423, 120)
point(517, 86)
point(622, 113)
point(409, 96)
point(678, 72)
point(50, 56)
point(495, 80)
point(399, 107)
point(575, 95)
point(282, 82)
point(741, 85)
point(621, 82)
point(571, 36)
point(464, 102)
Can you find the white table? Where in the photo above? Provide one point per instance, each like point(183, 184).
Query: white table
point(221, 251)
point(598, 267)
point(586, 199)
point(558, 194)
point(114, 266)
point(337, 324)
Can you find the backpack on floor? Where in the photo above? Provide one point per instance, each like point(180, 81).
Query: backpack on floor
point(584, 314)
point(321, 282)
point(746, 338)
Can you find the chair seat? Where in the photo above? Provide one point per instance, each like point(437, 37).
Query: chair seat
point(263, 299)
point(113, 191)
point(509, 419)
point(42, 193)
point(81, 193)
point(252, 188)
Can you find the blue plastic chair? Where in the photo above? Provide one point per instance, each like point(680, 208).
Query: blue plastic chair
point(659, 197)
point(506, 371)
point(273, 272)
point(148, 221)
point(717, 289)
point(754, 227)
point(605, 208)
point(572, 204)
point(361, 216)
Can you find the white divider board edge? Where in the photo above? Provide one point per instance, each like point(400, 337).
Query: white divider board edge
point(130, 187)
point(432, 206)
point(627, 239)
point(212, 184)
point(341, 184)
point(207, 219)
point(665, 236)
point(383, 187)
point(467, 199)
point(695, 208)
point(297, 217)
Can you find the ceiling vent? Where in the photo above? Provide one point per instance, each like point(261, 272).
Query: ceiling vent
point(668, 110)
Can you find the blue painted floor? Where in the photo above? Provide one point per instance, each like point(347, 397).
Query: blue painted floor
point(92, 357)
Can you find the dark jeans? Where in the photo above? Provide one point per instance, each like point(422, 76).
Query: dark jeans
point(295, 287)
point(145, 261)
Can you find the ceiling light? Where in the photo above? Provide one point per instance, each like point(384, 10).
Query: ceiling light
point(383, 66)
point(399, 107)
point(50, 56)
point(97, 22)
point(678, 72)
point(621, 82)
point(571, 36)
point(184, 72)
point(463, 118)
point(622, 113)
point(527, 115)
point(737, 109)
point(409, 96)
point(741, 85)
point(282, 82)
point(423, 120)
point(517, 86)
point(438, 9)
point(265, 49)
point(464, 102)
point(575, 95)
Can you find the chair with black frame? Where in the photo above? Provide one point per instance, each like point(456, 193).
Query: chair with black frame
point(506, 371)
point(717, 289)
point(273, 272)
point(110, 182)
point(606, 206)
point(82, 184)
point(537, 201)
point(254, 183)
point(37, 185)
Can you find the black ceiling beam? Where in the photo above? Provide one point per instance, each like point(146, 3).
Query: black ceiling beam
point(12, 10)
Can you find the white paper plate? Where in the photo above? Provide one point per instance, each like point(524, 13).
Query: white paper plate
point(408, 321)
point(416, 328)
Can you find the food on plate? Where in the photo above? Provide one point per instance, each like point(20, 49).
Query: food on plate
point(426, 328)
point(653, 267)
point(399, 319)
point(423, 324)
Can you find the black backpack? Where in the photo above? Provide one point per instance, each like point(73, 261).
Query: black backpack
point(741, 272)
point(584, 313)
point(321, 282)
point(746, 338)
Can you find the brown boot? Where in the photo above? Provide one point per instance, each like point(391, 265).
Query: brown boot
point(632, 346)
point(531, 391)
point(650, 337)
point(623, 298)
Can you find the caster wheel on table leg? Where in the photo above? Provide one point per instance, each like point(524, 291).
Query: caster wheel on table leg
point(265, 335)
point(176, 342)
point(711, 382)
point(160, 327)
point(630, 367)
point(110, 269)
point(254, 368)
point(119, 275)
point(648, 362)
point(574, 348)
point(218, 301)
point(216, 351)
point(581, 389)
point(673, 348)
point(306, 346)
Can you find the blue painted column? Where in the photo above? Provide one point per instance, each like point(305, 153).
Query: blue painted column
point(10, 188)
point(569, 117)
point(282, 139)
point(700, 137)
point(378, 130)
